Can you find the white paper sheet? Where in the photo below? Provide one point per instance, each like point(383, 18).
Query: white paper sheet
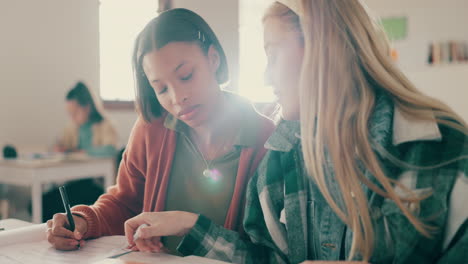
point(42, 252)
point(195, 259)
point(26, 234)
point(29, 245)
point(9, 224)
point(141, 257)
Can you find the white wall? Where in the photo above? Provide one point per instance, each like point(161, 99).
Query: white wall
point(429, 21)
point(45, 47)
point(123, 122)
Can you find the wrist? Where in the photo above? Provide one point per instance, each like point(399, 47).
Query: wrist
point(81, 223)
point(190, 219)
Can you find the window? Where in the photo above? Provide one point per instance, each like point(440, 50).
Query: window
point(252, 56)
point(120, 21)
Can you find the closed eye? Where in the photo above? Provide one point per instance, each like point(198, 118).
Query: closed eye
point(163, 90)
point(188, 77)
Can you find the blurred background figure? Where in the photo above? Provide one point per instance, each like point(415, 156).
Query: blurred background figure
point(89, 132)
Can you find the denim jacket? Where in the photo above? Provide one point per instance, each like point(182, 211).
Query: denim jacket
point(288, 221)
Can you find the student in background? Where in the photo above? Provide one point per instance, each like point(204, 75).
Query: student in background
point(90, 132)
point(194, 146)
point(364, 167)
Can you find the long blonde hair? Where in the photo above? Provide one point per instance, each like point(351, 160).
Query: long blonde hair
point(345, 52)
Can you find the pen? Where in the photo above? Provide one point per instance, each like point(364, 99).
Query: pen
point(137, 234)
point(66, 204)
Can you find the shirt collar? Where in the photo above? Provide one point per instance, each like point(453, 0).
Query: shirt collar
point(285, 137)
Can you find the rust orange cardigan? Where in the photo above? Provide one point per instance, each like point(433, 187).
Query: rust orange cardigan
point(144, 175)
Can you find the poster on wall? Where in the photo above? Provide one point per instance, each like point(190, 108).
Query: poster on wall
point(395, 27)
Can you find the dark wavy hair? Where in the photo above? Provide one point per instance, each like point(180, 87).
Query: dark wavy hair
point(174, 25)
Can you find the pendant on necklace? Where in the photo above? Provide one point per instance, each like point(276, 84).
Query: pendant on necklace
point(207, 173)
point(212, 174)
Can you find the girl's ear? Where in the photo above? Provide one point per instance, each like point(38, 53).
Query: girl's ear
point(213, 59)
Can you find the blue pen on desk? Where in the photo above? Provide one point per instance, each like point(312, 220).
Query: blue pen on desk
point(66, 204)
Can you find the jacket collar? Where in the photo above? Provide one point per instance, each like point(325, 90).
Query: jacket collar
point(409, 130)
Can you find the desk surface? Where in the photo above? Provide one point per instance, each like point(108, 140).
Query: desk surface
point(11, 223)
point(36, 233)
point(36, 173)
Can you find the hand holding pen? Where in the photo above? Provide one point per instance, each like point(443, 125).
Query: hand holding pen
point(65, 231)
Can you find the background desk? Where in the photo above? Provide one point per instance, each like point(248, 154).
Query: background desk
point(35, 173)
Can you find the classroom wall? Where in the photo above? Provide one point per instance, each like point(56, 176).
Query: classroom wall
point(45, 47)
point(49, 44)
point(428, 21)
